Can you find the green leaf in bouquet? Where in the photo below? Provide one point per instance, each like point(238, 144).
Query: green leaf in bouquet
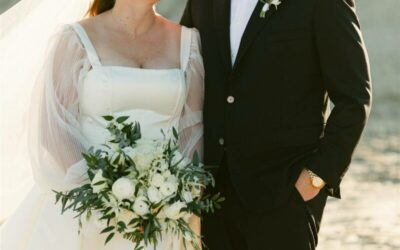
point(99, 183)
point(108, 118)
point(58, 196)
point(175, 132)
point(116, 160)
point(109, 237)
point(91, 175)
point(196, 159)
point(107, 229)
point(134, 221)
point(107, 216)
point(122, 119)
point(105, 195)
point(106, 210)
point(121, 226)
point(147, 232)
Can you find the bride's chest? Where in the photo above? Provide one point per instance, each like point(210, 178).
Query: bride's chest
point(118, 89)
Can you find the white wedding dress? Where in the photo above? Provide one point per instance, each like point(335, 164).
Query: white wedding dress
point(75, 91)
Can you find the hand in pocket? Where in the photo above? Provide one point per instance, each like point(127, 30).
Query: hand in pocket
point(305, 188)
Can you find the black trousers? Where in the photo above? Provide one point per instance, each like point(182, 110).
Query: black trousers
point(293, 226)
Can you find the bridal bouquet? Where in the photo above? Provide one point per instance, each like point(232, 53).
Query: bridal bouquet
point(141, 188)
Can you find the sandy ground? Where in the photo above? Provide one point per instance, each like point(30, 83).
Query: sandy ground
point(368, 215)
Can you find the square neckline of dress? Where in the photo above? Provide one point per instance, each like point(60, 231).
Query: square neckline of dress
point(96, 62)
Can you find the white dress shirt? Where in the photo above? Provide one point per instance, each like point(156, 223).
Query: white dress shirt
point(241, 11)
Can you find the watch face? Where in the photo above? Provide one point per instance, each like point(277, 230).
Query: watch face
point(317, 182)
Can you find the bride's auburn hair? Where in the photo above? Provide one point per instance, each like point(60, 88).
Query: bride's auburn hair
point(99, 6)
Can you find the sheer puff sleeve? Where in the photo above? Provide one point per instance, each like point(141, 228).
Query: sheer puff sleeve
point(191, 121)
point(55, 141)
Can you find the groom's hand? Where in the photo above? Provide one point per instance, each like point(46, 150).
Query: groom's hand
point(305, 187)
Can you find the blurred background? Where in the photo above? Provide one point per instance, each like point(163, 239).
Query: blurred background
point(368, 216)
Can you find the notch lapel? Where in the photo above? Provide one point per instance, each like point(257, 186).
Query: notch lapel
point(222, 10)
point(256, 23)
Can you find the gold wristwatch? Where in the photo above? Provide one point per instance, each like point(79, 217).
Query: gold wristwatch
point(316, 181)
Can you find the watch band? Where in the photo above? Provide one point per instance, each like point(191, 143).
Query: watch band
point(316, 181)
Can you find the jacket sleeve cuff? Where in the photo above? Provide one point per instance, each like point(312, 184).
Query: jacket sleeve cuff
point(329, 176)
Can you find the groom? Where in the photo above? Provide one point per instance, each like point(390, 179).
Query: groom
point(266, 114)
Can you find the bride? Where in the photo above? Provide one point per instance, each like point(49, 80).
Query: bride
point(122, 60)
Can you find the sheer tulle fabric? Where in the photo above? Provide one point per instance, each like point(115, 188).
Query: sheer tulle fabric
point(191, 121)
point(56, 142)
point(25, 31)
point(55, 137)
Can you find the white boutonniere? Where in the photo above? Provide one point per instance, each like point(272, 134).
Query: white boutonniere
point(267, 5)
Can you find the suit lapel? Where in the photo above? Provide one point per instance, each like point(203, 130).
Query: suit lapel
point(256, 23)
point(222, 9)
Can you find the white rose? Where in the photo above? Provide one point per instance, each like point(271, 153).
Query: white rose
point(174, 211)
point(142, 159)
point(154, 195)
point(96, 179)
point(123, 188)
point(140, 206)
point(173, 179)
point(168, 188)
point(157, 180)
point(166, 174)
point(187, 196)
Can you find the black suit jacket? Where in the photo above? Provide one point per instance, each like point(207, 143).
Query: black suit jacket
point(277, 121)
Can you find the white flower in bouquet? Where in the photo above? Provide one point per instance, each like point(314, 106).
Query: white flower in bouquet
point(141, 206)
point(146, 181)
point(173, 212)
point(168, 188)
point(166, 174)
point(173, 179)
point(99, 183)
point(187, 196)
point(154, 195)
point(157, 180)
point(143, 155)
point(123, 188)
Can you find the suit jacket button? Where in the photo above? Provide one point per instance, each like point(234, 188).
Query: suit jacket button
point(230, 99)
point(221, 141)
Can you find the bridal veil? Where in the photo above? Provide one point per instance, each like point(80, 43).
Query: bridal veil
point(25, 31)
